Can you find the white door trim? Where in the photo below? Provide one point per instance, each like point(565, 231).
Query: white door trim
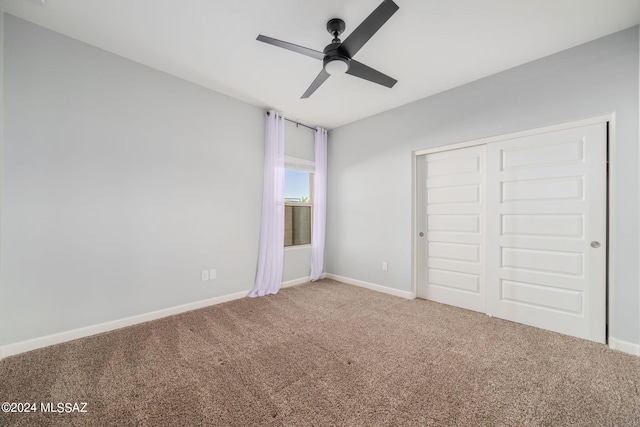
point(552, 128)
point(606, 118)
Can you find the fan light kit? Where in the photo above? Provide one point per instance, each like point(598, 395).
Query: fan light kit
point(336, 66)
point(337, 56)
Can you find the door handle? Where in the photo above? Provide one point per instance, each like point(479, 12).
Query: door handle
point(421, 234)
point(595, 244)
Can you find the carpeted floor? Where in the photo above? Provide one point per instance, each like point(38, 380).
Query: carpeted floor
point(327, 354)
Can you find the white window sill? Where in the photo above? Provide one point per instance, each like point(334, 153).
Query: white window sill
point(293, 248)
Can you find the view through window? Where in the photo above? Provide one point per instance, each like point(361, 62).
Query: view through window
point(297, 211)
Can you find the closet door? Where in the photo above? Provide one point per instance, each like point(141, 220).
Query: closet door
point(546, 231)
point(450, 252)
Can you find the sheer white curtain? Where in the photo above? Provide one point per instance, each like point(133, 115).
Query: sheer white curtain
point(271, 250)
point(319, 205)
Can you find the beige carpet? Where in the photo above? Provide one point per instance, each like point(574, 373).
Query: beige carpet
point(327, 354)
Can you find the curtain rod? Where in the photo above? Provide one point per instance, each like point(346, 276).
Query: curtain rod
point(297, 124)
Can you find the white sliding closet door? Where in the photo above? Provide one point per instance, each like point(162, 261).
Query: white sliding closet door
point(517, 228)
point(546, 228)
point(451, 248)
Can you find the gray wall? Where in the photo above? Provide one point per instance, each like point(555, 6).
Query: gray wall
point(121, 183)
point(370, 161)
point(298, 141)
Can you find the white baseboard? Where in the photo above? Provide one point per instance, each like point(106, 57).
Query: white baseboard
point(35, 343)
point(371, 286)
point(295, 282)
point(624, 346)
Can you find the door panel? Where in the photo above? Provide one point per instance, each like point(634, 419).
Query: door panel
point(546, 195)
point(451, 251)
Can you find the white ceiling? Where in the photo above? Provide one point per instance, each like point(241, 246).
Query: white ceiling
point(429, 46)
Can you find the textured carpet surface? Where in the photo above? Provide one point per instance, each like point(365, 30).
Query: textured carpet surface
point(327, 354)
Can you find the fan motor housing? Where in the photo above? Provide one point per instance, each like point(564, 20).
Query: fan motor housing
point(333, 53)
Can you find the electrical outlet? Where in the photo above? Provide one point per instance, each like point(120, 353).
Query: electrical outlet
point(205, 275)
point(213, 274)
point(385, 266)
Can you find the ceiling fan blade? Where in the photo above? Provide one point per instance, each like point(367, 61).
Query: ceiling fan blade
point(290, 46)
point(316, 83)
point(368, 27)
point(358, 69)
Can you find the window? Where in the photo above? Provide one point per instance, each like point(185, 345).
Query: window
point(298, 198)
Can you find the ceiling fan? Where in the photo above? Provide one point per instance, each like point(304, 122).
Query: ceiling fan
point(337, 56)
